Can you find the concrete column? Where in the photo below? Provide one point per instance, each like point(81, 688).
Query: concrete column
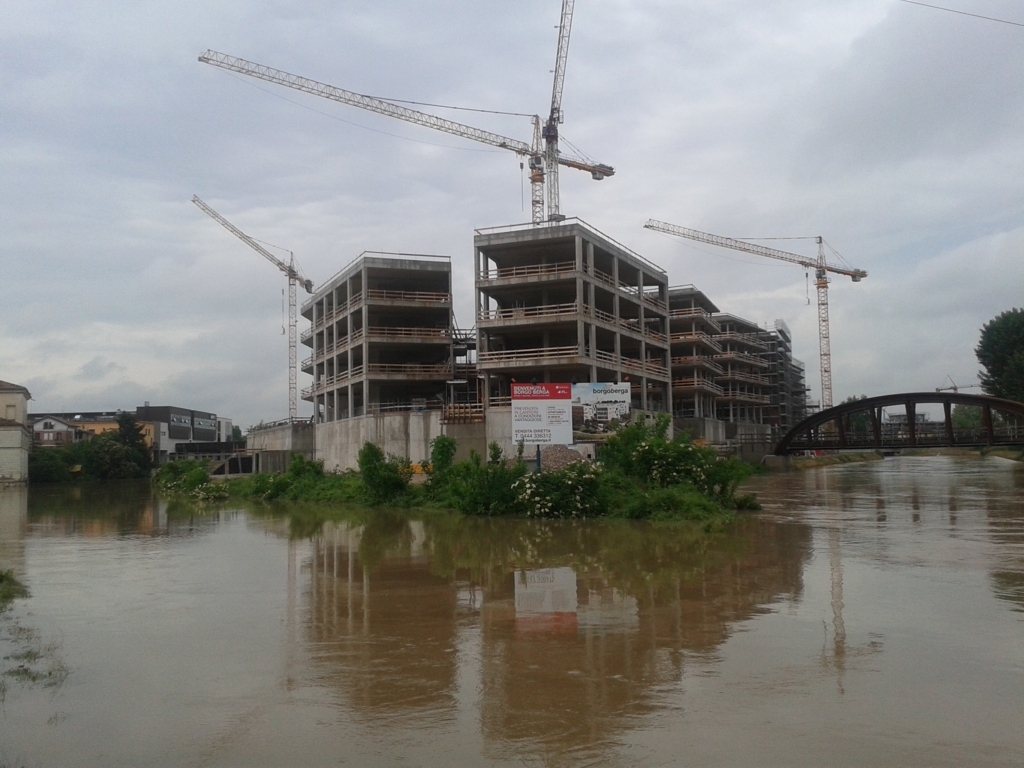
point(912, 423)
point(476, 293)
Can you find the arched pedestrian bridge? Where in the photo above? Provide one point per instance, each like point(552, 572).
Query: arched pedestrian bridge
point(860, 424)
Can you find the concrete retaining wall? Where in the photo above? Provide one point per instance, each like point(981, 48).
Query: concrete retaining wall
point(405, 433)
point(296, 438)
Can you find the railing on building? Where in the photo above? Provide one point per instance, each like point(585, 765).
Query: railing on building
point(741, 357)
point(696, 337)
point(748, 339)
point(395, 332)
point(683, 313)
point(520, 313)
point(556, 269)
point(500, 357)
point(750, 378)
point(421, 297)
point(697, 383)
point(697, 361)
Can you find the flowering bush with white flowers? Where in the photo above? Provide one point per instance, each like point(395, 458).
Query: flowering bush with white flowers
point(571, 492)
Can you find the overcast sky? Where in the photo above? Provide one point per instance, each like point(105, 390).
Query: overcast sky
point(891, 129)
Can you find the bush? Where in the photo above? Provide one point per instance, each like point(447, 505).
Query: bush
point(48, 465)
point(574, 491)
point(475, 488)
point(643, 454)
point(188, 477)
point(385, 478)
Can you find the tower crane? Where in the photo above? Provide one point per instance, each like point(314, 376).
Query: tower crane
point(820, 266)
point(294, 279)
point(543, 155)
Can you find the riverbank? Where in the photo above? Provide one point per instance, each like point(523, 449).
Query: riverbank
point(1002, 453)
point(641, 474)
point(785, 463)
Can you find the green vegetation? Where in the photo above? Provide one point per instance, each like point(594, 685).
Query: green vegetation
point(967, 418)
point(640, 474)
point(1001, 352)
point(807, 462)
point(118, 454)
point(188, 477)
point(10, 588)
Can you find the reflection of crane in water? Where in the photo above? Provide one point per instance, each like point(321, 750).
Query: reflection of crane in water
point(840, 652)
point(835, 566)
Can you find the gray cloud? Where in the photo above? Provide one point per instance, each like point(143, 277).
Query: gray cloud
point(887, 128)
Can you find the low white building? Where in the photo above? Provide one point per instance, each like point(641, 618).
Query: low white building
point(53, 432)
point(15, 433)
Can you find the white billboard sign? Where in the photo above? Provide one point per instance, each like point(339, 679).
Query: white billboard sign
point(542, 414)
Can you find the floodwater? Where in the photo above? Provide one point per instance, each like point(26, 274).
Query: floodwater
point(871, 615)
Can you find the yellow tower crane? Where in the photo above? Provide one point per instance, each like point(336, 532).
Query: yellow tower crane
point(294, 279)
point(820, 266)
point(543, 154)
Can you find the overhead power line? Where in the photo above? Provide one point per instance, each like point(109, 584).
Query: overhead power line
point(965, 13)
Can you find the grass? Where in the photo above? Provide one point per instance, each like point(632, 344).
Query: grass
point(809, 462)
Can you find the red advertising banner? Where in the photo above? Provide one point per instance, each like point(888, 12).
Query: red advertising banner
point(542, 391)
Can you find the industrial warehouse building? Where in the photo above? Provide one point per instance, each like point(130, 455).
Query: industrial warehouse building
point(555, 302)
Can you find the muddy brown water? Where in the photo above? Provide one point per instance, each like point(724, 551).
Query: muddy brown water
point(871, 614)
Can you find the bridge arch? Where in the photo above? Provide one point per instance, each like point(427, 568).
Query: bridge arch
point(830, 429)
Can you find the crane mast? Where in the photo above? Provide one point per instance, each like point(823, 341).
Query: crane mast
point(821, 269)
point(542, 153)
point(294, 278)
point(550, 132)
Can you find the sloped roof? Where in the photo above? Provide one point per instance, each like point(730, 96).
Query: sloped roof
point(6, 386)
point(65, 422)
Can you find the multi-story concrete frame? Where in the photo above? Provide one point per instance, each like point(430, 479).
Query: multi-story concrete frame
point(695, 372)
point(788, 389)
point(744, 378)
point(563, 302)
point(381, 336)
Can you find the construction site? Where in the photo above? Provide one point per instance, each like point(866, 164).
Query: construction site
point(555, 301)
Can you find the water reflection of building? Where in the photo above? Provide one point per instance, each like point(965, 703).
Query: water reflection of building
point(385, 635)
point(13, 528)
point(558, 663)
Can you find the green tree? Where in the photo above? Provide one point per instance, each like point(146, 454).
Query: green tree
point(236, 434)
point(130, 435)
point(966, 418)
point(860, 422)
point(1001, 352)
point(107, 458)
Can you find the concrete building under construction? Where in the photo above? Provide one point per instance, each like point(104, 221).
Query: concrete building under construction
point(563, 302)
point(555, 302)
point(384, 343)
